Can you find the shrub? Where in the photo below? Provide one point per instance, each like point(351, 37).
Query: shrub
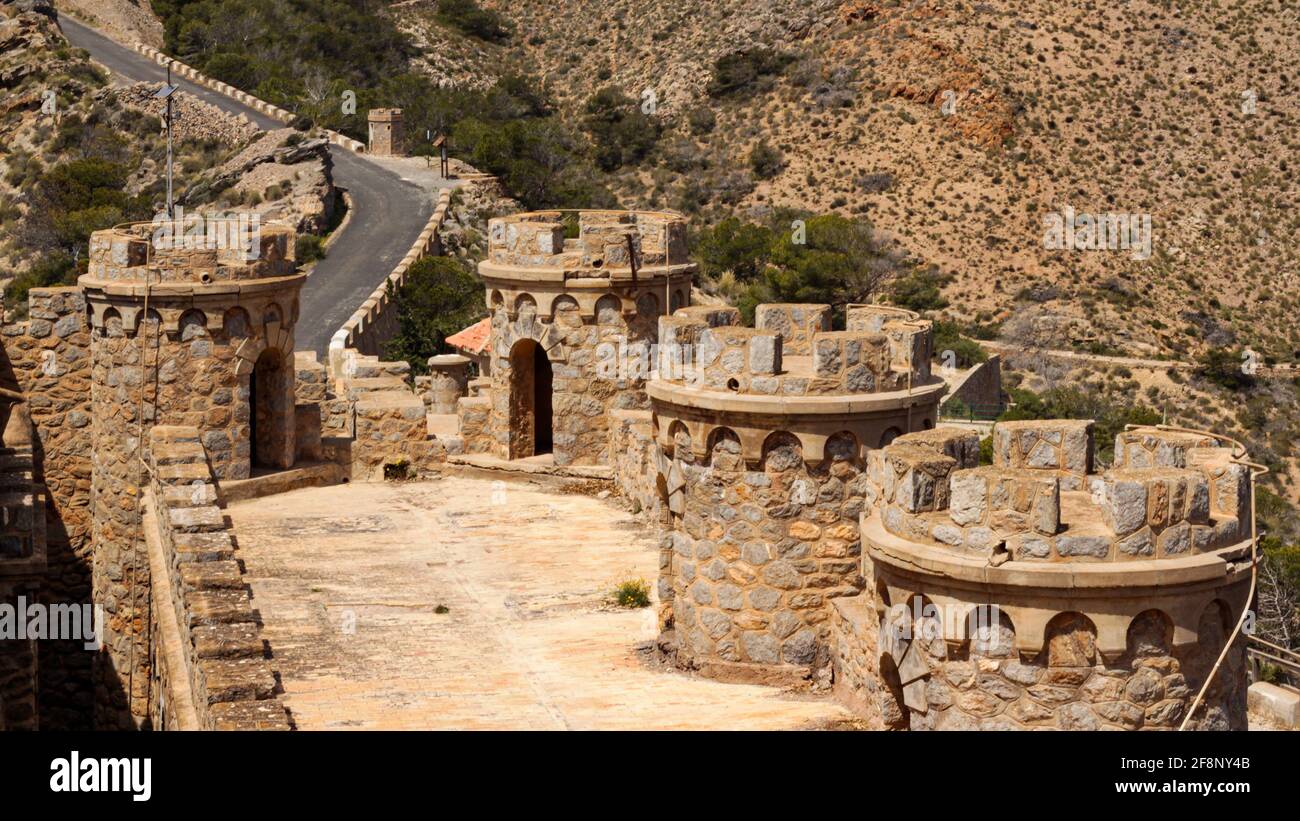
point(701, 121)
point(470, 18)
point(621, 133)
point(309, 248)
point(920, 291)
point(765, 161)
point(440, 296)
point(746, 71)
point(632, 593)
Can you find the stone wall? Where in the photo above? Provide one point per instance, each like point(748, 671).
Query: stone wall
point(47, 357)
point(212, 670)
point(759, 552)
point(637, 462)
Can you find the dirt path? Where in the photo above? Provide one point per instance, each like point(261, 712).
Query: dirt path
point(348, 580)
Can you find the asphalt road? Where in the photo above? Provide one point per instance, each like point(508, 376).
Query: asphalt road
point(389, 213)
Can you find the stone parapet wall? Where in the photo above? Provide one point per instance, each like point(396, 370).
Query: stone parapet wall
point(608, 243)
point(707, 348)
point(796, 324)
point(1025, 511)
point(272, 111)
point(212, 670)
point(22, 573)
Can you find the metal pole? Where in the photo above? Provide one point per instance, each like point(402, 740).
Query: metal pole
point(171, 213)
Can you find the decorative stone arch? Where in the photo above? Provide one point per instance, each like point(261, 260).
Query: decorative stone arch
point(236, 323)
point(530, 400)
point(781, 451)
point(1070, 640)
point(609, 310)
point(723, 448)
point(192, 324)
point(891, 433)
point(647, 305)
point(842, 446)
point(561, 304)
point(272, 314)
point(112, 324)
point(495, 300)
point(676, 301)
point(1151, 633)
point(525, 305)
point(142, 319)
point(990, 632)
point(680, 437)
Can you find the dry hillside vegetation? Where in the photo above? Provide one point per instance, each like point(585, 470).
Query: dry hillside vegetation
point(1184, 111)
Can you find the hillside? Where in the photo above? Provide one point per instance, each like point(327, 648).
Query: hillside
point(1185, 114)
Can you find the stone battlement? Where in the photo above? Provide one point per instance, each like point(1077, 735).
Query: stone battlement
point(610, 246)
point(1038, 502)
point(225, 250)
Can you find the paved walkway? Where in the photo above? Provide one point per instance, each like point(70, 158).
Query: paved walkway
point(348, 580)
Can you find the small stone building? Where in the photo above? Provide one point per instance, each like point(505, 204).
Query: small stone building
point(387, 134)
point(575, 301)
point(761, 437)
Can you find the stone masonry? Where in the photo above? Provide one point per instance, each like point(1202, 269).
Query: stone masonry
point(761, 462)
point(1036, 593)
point(574, 320)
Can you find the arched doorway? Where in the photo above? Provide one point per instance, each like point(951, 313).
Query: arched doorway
point(266, 412)
point(530, 400)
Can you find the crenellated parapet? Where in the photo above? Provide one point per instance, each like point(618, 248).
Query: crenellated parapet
point(1087, 599)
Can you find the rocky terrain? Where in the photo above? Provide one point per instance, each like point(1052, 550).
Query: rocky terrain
point(957, 127)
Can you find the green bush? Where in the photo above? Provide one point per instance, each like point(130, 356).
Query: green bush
point(309, 248)
point(765, 161)
point(470, 18)
point(621, 133)
point(746, 71)
point(920, 291)
point(633, 593)
point(948, 337)
point(440, 296)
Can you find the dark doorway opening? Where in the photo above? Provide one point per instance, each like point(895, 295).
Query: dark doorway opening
point(261, 411)
point(531, 384)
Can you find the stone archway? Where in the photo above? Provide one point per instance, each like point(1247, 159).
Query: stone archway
point(531, 386)
point(270, 412)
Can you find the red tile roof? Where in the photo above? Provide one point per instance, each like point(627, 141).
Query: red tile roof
point(474, 339)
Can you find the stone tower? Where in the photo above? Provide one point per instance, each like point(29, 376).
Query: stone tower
point(1036, 592)
point(575, 301)
point(763, 435)
point(387, 134)
point(180, 335)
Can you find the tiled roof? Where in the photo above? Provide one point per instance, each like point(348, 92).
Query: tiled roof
point(473, 339)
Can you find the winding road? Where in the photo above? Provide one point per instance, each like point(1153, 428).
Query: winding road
point(388, 212)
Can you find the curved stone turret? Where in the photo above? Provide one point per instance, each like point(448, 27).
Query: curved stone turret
point(1037, 593)
point(762, 455)
point(185, 330)
point(573, 322)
